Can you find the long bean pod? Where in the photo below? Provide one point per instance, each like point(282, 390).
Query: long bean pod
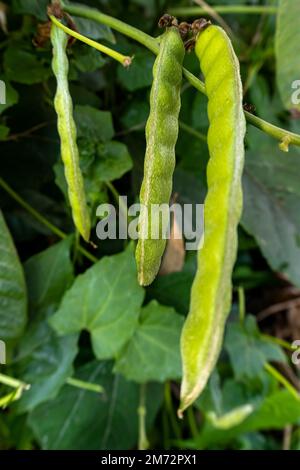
point(211, 291)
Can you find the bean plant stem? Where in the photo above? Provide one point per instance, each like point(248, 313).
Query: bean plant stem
point(170, 409)
point(119, 201)
point(42, 219)
point(153, 45)
point(124, 60)
point(224, 10)
point(91, 387)
point(192, 422)
point(281, 342)
point(13, 383)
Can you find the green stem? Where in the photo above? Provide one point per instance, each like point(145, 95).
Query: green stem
point(13, 383)
point(124, 60)
point(190, 130)
point(224, 9)
point(281, 342)
point(143, 443)
point(282, 380)
point(91, 387)
point(153, 45)
point(118, 199)
point(42, 219)
point(117, 25)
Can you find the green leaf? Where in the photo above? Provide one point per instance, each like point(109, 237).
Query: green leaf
point(83, 420)
point(105, 300)
point(43, 359)
point(23, 67)
point(153, 353)
point(13, 296)
point(94, 124)
point(272, 414)
point(287, 42)
point(48, 275)
point(233, 418)
point(248, 350)
point(11, 95)
point(113, 161)
point(37, 8)
point(271, 205)
point(48, 366)
point(139, 74)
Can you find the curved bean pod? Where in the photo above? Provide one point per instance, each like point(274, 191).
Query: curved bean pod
point(203, 331)
point(67, 133)
point(161, 137)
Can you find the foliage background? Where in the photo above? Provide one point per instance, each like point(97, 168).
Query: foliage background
point(63, 316)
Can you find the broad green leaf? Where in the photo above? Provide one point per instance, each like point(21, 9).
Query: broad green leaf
point(94, 124)
point(248, 350)
point(94, 30)
point(24, 67)
point(106, 301)
point(13, 296)
point(271, 205)
point(287, 50)
point(43, 359)
point(83, 420)
point(152, 353)
point(48, 275)
point(11, 95)
point(87, 59)
point(139, 74)
point(37, 8)
point(112, 161)
point(163, 288)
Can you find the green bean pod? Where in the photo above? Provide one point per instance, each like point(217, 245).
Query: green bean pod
point(203, 331)
point(67, 133)
point(161, 137)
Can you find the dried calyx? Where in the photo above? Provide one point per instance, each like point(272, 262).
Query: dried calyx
point(188, 31)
